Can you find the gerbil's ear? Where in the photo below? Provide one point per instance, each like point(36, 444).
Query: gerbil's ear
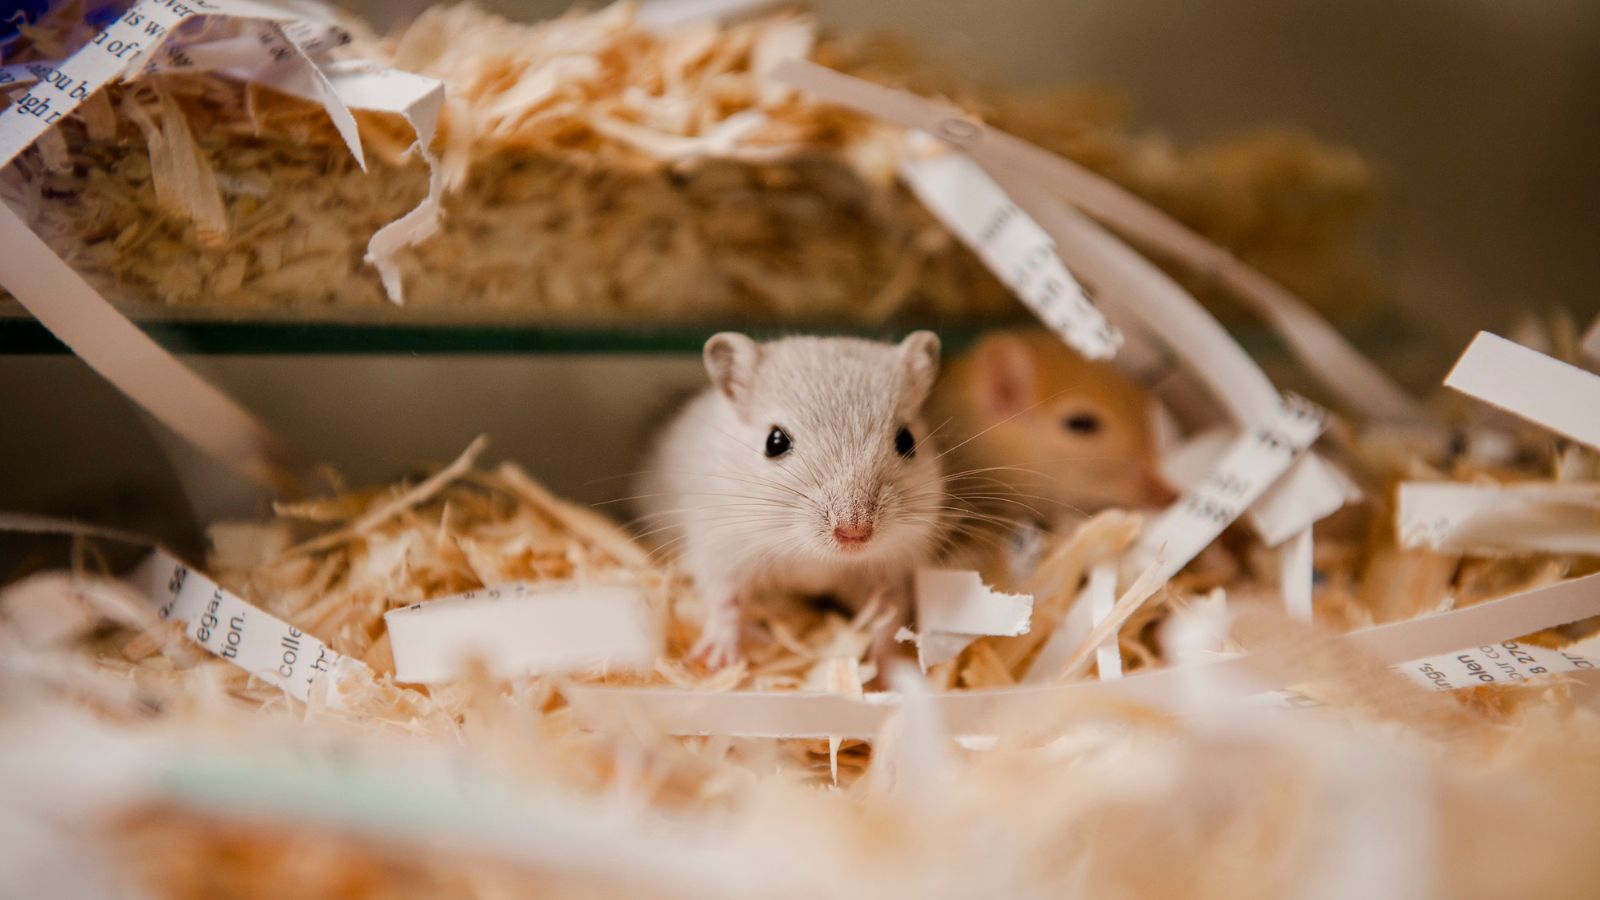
point(731, 360)
point(1006, 378)
point(919, 365)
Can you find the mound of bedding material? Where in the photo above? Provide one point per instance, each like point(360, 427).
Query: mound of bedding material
point(597, 171)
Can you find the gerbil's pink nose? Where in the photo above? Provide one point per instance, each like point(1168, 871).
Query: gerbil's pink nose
point(852, 534)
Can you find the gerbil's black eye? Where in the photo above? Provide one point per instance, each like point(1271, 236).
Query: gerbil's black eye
point(904, 443)
point(777, 442)
point(1082, 423)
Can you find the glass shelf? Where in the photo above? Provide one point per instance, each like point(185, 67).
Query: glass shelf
point(20, 334)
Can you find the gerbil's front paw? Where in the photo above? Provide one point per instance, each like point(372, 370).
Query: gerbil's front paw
point(719, 643)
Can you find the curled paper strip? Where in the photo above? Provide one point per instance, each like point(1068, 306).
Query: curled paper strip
point(1315, 343)
point(1011, 244)
point(1254, 461)
point(359, 84)
point(989, 712)
point(131, 39)
point(125, 356)
point(1309, 492)
point(1526, 383)
point(520, 628)
point(245, 635)
point(1130, 284)
point(262, 44)
point(1499, 520)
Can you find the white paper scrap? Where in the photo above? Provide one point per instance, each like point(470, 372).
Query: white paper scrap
point(130, 39)
point(671, 15)
point(523, 628)
point(1309, 492)
point(245, 635)
point(1107, 656)
point(1507, 662)
point(1080, 620)
point(1499, 519)
point(989, 712)
point(1312, 490)
point(1526, 383)
point(1188, 463)
point(256, 45)
point(1252, 464)
point(1011, 244)
point(1297, 574)
point(417, 100)
point(935, 647)
point(361, 84)
point(956, 601)
point(19, 74)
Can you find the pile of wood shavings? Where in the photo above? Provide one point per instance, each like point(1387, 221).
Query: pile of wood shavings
point(1387, 786)
point(600, 172)
point(333, 567)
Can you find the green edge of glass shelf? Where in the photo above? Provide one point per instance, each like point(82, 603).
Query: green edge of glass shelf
point(21, 335)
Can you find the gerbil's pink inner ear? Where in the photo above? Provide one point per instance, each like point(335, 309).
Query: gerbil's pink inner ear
point(731, 360)
point(1006, 375)
point(919, 366)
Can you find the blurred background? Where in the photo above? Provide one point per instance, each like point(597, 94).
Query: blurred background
point(1483, 118)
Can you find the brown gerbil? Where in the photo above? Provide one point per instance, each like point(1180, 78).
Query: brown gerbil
point(1035, 431)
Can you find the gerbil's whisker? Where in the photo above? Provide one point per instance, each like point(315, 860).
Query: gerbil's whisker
point(1027, 409)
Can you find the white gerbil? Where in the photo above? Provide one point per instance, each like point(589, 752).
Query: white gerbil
point(803, 468)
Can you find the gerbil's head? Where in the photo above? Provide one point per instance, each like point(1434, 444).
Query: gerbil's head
point(1062, 433)
point(831, 444)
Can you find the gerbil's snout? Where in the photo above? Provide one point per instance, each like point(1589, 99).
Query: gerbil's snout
point(853, 518)
point(853, 534)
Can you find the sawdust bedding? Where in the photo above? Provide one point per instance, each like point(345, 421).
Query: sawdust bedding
point(597, 171)
point(1379, 785)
